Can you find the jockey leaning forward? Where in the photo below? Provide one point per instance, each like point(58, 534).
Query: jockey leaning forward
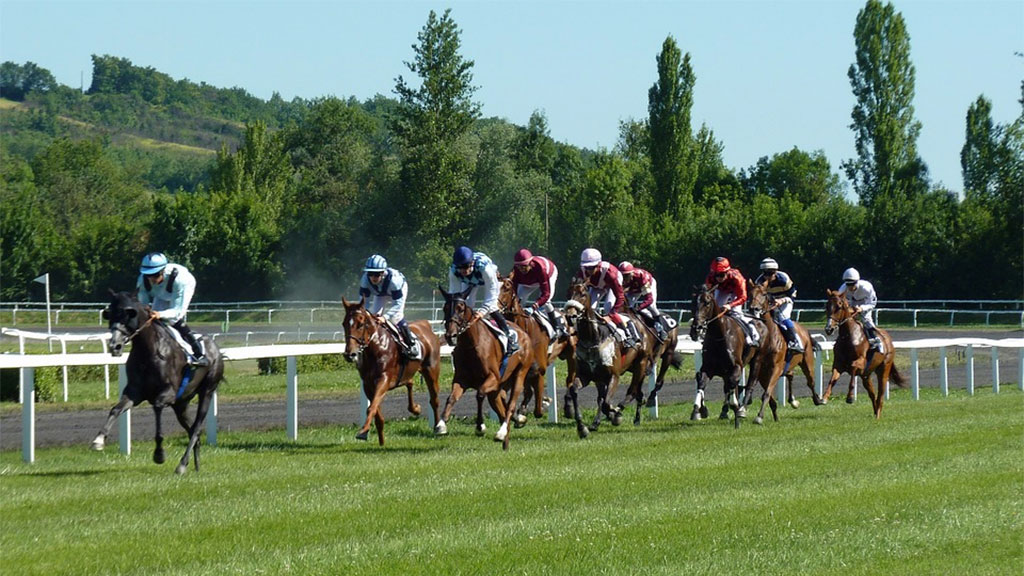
point(781, 292)
point(604, 284)
point(730, 294)
point(379, 284)
point(641, 291)
point(475, 271)
point(530, 274)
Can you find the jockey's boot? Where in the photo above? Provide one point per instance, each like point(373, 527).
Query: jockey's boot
point(559, 323)
point(513, 340)
point(632, 338)
point(873, 339)
point(659, 329)
point(199, 360)
point(411, 346)
point(792, 340)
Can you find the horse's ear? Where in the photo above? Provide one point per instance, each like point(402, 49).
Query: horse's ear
point(442, 291)
point(465, 293)
point(345, 302)
point(111, 290)
point(362, 301)
point(131, 312)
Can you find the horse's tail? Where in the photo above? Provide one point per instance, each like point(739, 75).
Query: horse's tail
point(895, 377)
point(675, 360)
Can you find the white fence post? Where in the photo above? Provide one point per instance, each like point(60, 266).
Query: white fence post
point(28, 415)
point(124, 421)
point(995, 370)
point(943, 371)
point(292, 399)
point(552, 388)
point(211, 421)
point(970, 370)
point(915, 384)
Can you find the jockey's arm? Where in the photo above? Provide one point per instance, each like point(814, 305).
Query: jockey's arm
point(491, 289)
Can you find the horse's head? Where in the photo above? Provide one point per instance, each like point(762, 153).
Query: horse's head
point(360, 327)
point(125, 317)
point(458, 316)
point(577, 300)
point(837, 311)
point(703, 312)
point(508, 300)
point(758, 298)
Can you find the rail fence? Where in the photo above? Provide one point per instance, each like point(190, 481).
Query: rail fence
point(27, 363)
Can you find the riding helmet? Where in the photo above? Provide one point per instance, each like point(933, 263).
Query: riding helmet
point(524, 256)
point(851, 276)
point(769, 264)
point(590, 257)
point(153, 263)
point(375, 263)
point(720, 264)
point(463, 256)
point(626, 267)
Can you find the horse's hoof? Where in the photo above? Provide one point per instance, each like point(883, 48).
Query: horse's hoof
point(502, 434)
point(850, 400)
point(652, 400)
point(695, 415)
point(758, 420)
point(181, 469)
point(583, 432)
point(97, 445)
point(704, 411)
point(519, 421)
point(159, 457)
point(818, 401)
point(795, 404)
point(725, 413)
point(741, 412)
point(416, 410)
point(441, 429)
point(361, 436)
point(545, 402)
point(481, 429)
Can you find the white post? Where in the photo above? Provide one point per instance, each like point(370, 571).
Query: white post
point(552, 388)
point(970, 369)
point(819, 370)
point(28, 415)
point(124, 421)
point(211, 421)
point(995, 370)
point(915, 383)
point(292, 398)
point(49, 325)
point(21, 373)
point(1020, 366)
point(943, 372)
point(64, 369)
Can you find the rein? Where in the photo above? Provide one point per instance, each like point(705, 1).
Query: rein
point(128, 337)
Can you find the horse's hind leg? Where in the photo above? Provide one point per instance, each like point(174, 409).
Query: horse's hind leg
point(128, 399)
point(413, 407)
point(572, 399)
point(159, 457)
point(195, 432)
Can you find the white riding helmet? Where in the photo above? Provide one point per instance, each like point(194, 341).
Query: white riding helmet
point(590, 257)
point(769, 264)
point(851, 276)
point(375, 263)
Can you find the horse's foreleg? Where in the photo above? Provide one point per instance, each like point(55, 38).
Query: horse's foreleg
point(125, 403)
point(700, 409)
point(831, 382)
point(851, 391)
point(376, 395)
point(875, 398)
point(457, 389)
point(195, 432)
point(572, 397)
point(413, 407)
point(159, 457)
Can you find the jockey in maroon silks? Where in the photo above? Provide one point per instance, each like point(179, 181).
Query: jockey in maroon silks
point(730, 293)
point(604, 283)
point(641, 290)
point(530, 274)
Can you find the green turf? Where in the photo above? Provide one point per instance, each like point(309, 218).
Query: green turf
point(935, 487)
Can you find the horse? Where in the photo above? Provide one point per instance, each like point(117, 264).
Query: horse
point(545, 351)
point(761, 305)
point(156, 367)
point(724, 354)
point(602, 360)
point(374, 348)
point(665, 352)
point(480, 363)
point(852, 354)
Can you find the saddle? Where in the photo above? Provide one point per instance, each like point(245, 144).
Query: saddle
point(542, 319)
point(499, 334)
point(399, 339)
point(185, 346)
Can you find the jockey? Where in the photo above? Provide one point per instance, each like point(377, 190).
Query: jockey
point(730, 293)
point(476, 271)
point(861, 295)
point(641, 290)
point(530, 273)
point(781, 292)
point(168, 289)
point(377, 285)
point(604, 284)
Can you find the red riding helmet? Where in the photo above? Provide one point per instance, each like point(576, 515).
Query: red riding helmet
point(720, 265)
point(626, 267)
point(523, 257)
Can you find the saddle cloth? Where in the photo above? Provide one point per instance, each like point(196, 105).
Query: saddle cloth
point(185, 346)
point(496, 330)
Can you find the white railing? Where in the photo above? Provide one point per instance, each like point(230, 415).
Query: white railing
point(28, 362)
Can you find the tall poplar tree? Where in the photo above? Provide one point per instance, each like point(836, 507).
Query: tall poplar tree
point(669, 102)
point(882, 78)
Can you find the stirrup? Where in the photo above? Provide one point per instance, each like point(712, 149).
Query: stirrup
point(199, 362)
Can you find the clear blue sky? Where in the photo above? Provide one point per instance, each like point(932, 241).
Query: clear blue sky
point(770, 75)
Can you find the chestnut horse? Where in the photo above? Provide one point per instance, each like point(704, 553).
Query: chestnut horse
point(564, 349)
point(602, 359)
point(853, 355)
point(724, 353)
point(155, 368)
point(666, 353)
point(761, 305)
point(480, 363)
point(373, 347)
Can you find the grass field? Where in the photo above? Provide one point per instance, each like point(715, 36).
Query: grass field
point(936, 487)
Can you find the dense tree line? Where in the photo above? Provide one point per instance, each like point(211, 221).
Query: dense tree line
point(295, 195)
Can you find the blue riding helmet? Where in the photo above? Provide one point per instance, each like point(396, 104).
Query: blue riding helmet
point(375, 263)
point(463, 256)
point(153, 263)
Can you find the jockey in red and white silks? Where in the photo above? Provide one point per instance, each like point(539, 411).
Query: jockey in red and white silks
point(731, 293)
point(641, 290)
point(604, 284)
point(530, 274)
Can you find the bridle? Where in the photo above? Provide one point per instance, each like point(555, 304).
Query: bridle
point(368, 325)
point(461, 322)
point(124, 329)
point(831, 314)
point(702, 327)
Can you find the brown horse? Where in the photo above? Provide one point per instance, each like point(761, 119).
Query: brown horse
point(480, 363)
point(602, 359)
point(762, 305)
point(545, 352)
point(724, 353)
point(372, 345)
point(666, 353)
point(852, 354)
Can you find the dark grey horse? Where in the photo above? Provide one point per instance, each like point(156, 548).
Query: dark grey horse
point(156, 367)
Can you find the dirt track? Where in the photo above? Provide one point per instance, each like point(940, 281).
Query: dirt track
point(79, 427)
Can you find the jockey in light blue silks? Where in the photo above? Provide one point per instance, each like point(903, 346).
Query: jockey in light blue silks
point(860, 294)
point(475, 270)
point(168, 288)
point(781, 292)
point(377, 286)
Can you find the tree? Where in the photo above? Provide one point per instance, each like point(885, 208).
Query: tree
point(17, 81)
point(882, 78)
point(978, 155)
point(431, 125)
point(808, 178)
point(670, 100)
